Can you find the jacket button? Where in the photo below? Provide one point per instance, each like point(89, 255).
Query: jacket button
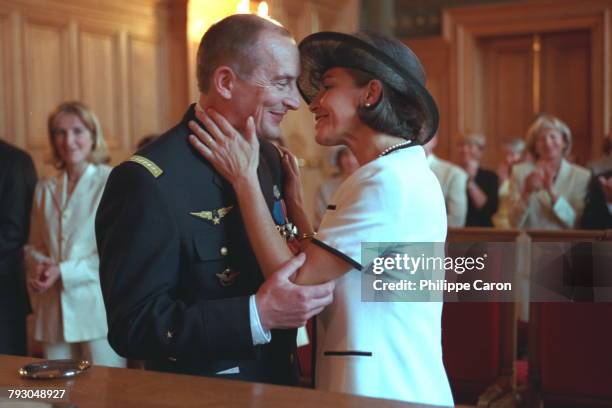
point(291, 358)
point(224, 251)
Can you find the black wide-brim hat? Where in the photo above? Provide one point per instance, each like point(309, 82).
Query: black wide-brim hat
point(385, 58)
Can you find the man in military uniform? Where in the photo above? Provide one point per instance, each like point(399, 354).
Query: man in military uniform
point(181, 284)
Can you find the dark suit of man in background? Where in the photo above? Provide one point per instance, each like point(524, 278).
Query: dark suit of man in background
point(17, 182)
point(598, 206)
point(181, 284)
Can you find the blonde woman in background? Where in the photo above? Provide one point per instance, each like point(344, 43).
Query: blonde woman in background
point(548, 193)
point(64, 282)
point(513, 153)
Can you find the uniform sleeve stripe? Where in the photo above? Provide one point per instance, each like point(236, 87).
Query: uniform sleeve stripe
point(334, 251)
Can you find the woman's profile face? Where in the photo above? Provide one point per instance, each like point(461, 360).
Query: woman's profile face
point(549, 144)
point(72, 139)
point(335, 107)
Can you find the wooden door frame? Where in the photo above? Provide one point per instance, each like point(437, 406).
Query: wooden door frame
point(464, 26)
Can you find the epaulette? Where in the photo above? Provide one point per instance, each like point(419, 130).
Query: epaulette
point(147, 164)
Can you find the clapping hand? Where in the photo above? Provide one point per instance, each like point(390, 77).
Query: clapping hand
point(534, 181)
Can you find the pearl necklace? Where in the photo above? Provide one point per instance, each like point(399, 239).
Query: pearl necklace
point(395, 147)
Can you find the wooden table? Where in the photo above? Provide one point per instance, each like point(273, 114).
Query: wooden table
point(122, 387)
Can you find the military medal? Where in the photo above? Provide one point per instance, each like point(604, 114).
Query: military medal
point(283, 226)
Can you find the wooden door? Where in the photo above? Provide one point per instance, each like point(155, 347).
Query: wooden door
point(566, 86)
point(528, 74)
point(508, 91)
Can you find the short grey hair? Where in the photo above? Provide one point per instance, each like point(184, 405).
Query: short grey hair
point(232, 42)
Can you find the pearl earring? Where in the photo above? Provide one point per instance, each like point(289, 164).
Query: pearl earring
point(368, 104)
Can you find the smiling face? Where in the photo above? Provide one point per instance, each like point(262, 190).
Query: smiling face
point(550, 144)
point(72, 140)
point(335, 107)
point(469, 152)
point(270, 91)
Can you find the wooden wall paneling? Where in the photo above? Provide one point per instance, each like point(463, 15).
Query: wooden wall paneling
point(47, 74)
point(434, 54)
point(101, 80)
point(600, 84)
point(566, 90)
point(101, 88)
point(174, 69)
point(6, 92)
point(508, 82)
point(124, 86)
point(74, 84)
point(144, 91)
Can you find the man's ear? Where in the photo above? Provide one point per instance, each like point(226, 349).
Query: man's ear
point(223, 81)
point(373, 93)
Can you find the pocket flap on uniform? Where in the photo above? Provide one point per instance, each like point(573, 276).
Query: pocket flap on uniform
point(209, 246)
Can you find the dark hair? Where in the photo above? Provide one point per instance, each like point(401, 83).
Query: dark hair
point(232, 42)
point(393, 114)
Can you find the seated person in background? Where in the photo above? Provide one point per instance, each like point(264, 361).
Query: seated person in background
point(482, 184)
point(598, 206)
point(453, 181)
point(346, 163)
point(512, 154)
point(548, 193)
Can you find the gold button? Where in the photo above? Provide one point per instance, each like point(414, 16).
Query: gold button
point(223, 251)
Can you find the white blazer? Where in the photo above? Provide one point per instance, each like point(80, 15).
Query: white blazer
point(390, 349)
point(62, 229)
point(453, 180)
point(538, 211)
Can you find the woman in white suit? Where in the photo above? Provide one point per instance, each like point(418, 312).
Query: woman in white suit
point(366, 91)
point(548, 193)
point(64, 282)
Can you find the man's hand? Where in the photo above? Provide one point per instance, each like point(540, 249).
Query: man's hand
point(281, 304)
